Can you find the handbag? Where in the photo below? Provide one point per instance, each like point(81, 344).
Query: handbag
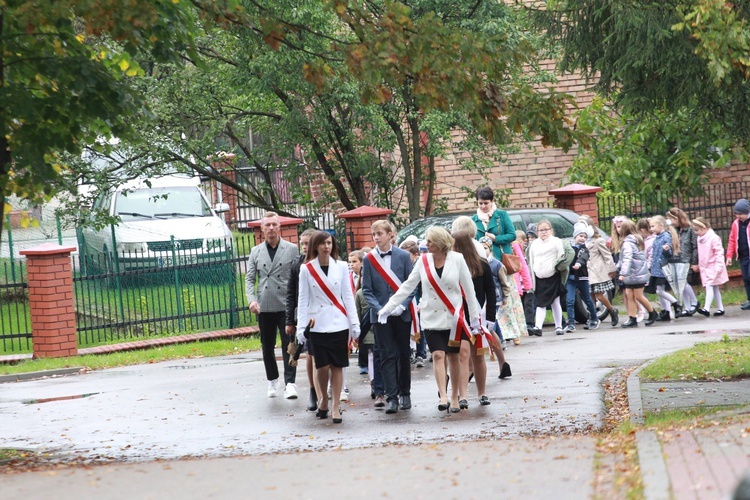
point(512, 263)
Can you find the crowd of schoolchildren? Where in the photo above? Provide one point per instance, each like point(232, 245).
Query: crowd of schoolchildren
point(452, 298)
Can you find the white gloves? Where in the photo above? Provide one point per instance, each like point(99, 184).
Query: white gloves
point(475, 326)
point(398, 311)
point(383, 316)
point(354, 332)
point(490, 325)
point(301, 339)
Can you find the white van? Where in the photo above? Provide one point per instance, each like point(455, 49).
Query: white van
point(164, 221)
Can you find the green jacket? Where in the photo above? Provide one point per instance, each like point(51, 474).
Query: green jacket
point(503, 229)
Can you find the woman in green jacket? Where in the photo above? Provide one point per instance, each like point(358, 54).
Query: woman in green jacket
point(493, 223)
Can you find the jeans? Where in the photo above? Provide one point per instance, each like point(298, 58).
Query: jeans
point(570, 300)
point(268, 324)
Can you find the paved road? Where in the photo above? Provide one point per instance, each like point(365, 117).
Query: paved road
point(217, 408)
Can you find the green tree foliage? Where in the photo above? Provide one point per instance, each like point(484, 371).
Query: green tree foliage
point(65, 70)
point(659, 155)
point(367, 95)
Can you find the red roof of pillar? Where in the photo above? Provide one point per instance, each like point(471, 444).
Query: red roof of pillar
point(47, 249)
point(572, 189)
point(365, 211)
point(283, 221)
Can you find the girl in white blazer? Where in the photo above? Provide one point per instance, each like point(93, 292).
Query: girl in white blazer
point(325, 295)
point(435, 318)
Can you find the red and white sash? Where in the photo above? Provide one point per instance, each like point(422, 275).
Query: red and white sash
point(459, 323)
point(322, 280)
point(392, 280)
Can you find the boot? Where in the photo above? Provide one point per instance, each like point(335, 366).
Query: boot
point(614, 315)
point(632, 322)
point(651, 318)
point(312, 400)
point(664, 316)
point(678, 312)
point(505, 371)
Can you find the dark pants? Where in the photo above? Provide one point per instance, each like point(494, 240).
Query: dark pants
point(570, 299)
point(362, 359)
point(392, 340)
point(268, 324)
point(745, 268)
point(422, 346)
point(377, 376)
point(529, 307)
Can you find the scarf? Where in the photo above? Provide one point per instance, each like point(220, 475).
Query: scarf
point(485, 216)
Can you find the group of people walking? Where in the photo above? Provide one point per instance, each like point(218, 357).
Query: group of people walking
point(465, 293)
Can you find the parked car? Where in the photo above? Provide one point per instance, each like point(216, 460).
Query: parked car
point(562, 222)
point(164, 221)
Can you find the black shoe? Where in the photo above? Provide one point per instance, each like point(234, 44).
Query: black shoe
point(663, 316)
point(534, 331)
point(678, 312)
point(444, 406)
point(703, 312)
point(505, 371)
point(453, 409)
point(322, 414)
point(405, 402)
point(312, 400)
point(651, 318)
point(745, 306)
point(463, 404)
point(338, 420)
point(484, 401)
point(630, 323)
point(719, 312)
point(392, 407)
point(615, 316)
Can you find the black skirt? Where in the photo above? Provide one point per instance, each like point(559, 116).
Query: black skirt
point(331, 348)
point(657, 281)
point(437, 340)
point(548, 289)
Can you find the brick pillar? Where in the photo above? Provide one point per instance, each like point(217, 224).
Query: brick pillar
point(289, 229)
point(578, 198)
point(53, 317)
point(359, 222)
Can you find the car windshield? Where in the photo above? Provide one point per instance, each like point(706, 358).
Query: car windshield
point(164, 202)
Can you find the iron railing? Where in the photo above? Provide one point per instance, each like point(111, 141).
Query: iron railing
point(15, 321)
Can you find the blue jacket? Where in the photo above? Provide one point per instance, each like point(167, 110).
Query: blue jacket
point(376, 290)
point(659, 256)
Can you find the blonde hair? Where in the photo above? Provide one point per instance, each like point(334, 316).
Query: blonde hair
point(628, 227)
point(659, 219)
point(410, 247)
point(615, 237)
point(382, 225)
point(440, 237)
point(548, 223)
point(701, 223)
point(463, 243)
point(520, 236)
point(464, 223)
point(680, 216)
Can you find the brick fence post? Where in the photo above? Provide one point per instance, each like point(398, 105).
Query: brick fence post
point(359, 222)
point(53, 317)
point(289, 229)
point(578, 198)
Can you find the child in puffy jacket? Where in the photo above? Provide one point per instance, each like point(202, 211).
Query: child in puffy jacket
point(711, 265)
point(578, 279)
point(633, 272)
point(665, 246)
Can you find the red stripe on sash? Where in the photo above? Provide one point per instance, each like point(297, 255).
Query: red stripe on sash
point(461, 320)
point(324, 287)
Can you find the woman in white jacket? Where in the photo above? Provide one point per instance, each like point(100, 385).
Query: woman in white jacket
point(443, 274)
point(325, 295)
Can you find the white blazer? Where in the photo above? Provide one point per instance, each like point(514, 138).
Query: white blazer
point(314, 303)
point(434, 314)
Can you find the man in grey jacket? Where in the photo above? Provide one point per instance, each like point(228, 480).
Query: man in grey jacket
point(269, 266)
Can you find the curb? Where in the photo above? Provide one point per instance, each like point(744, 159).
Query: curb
point(20, 377)
point(656, 485)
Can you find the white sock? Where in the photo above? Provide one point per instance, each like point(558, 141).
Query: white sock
point(557, 314)
point(541, 313)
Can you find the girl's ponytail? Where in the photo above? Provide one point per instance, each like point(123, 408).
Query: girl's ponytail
point(675, 239)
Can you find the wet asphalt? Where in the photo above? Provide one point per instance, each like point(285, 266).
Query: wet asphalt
point(217, 410)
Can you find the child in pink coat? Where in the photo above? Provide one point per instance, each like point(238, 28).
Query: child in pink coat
point(711, 265)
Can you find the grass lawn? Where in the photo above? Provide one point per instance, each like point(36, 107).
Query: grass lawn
point(206, 349)
point(726, 359)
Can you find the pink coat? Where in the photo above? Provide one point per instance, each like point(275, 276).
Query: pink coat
point(711, 259)
point(523, 278)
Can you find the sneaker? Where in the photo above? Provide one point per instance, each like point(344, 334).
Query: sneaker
point(290, 391)
point(504, 345)
point(594, 324)
point(363, 370)
point(272, 388)
point(420, 362)
point(745, 306)
point(344, 396)
point(585, 325)
point(559, 331)
point(641, 316)
point(570, 328)
point(379, 402)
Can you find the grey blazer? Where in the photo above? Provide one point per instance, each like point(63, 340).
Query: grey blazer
point(376, 290)
point(272, 277)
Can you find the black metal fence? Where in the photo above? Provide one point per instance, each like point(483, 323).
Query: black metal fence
point(716, 205)
point(15, 320)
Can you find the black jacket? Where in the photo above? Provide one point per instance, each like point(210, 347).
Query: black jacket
point(582, 258)
point(292, 295)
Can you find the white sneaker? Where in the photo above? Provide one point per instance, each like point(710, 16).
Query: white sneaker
point(290, 391)
point(420, 362)
point(272, 387)
point(344, 396)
